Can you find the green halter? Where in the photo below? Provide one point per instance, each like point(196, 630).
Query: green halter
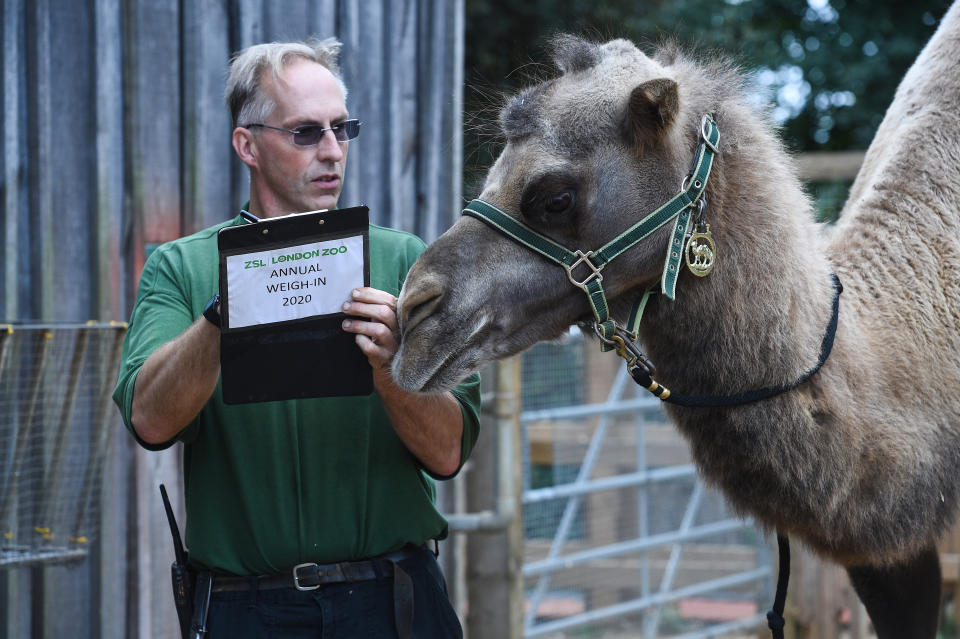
point(680, 207)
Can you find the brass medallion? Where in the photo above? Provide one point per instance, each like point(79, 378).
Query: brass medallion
point(701, 253)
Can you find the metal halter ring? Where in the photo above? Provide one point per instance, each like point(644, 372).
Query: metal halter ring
point(605, 340)
point(584, 258)
point(701, 218)
point(705, 133)
point(626, 349)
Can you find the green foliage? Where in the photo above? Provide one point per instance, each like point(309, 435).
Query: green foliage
point(829, 67)
point(948, 624)
point(829, 198)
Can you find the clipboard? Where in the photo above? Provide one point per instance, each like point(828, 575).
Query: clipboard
point(282, 284)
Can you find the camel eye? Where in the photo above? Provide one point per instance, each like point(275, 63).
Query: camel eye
point(559, 202)
point(550, 199)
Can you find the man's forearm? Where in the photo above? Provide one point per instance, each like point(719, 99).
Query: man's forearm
point(430, 426)
point(175, 382)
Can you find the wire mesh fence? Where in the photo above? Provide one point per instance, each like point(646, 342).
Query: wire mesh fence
point(55, 384)
point(621, 539)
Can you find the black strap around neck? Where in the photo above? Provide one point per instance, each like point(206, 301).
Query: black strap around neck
point(643, 378)
point(775, 619)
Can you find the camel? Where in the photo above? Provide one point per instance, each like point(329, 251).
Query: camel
point(860, 461)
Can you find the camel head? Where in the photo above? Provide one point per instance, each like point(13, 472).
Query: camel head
point(588, 153)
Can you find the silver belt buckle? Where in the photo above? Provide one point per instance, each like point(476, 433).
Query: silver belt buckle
point(296, 577)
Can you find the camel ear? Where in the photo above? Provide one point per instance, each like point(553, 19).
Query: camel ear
point(652, 108)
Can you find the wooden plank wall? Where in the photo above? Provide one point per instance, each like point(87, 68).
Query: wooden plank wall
point(115, 139)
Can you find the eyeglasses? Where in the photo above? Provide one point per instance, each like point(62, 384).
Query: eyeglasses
point(310, 134)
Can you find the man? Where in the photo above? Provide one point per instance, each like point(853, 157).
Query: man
point(341, 482)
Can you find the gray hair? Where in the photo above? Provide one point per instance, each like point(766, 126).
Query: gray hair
point(246, 101)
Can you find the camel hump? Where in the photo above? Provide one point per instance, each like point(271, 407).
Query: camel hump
point(923, 116)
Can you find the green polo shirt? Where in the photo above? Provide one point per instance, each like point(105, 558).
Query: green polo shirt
point(274, 484)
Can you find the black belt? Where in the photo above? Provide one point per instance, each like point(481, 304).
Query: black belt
point(310, 576)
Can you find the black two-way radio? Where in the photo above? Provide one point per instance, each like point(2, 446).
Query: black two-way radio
point(180, 576)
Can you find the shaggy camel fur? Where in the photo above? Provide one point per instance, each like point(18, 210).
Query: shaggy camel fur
point(862, 462)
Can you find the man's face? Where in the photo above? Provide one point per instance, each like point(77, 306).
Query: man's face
point(292, 178)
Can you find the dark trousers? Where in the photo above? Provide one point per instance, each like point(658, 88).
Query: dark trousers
point(359, 610)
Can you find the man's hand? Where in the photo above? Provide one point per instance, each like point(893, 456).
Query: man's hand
point(378, 337)
point(430, 426)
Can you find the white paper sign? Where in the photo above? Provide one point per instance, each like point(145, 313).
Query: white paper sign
point(291, 283)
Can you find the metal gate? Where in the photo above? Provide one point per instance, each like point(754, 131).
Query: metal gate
point(621, 537)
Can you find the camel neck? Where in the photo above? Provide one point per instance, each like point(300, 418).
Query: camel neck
point(642, 375)
point(758, 320)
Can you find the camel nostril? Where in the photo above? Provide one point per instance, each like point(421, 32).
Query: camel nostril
point(416, 305)
point(420, 312)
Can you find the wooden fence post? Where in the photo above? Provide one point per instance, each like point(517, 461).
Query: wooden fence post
point(495, 558)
